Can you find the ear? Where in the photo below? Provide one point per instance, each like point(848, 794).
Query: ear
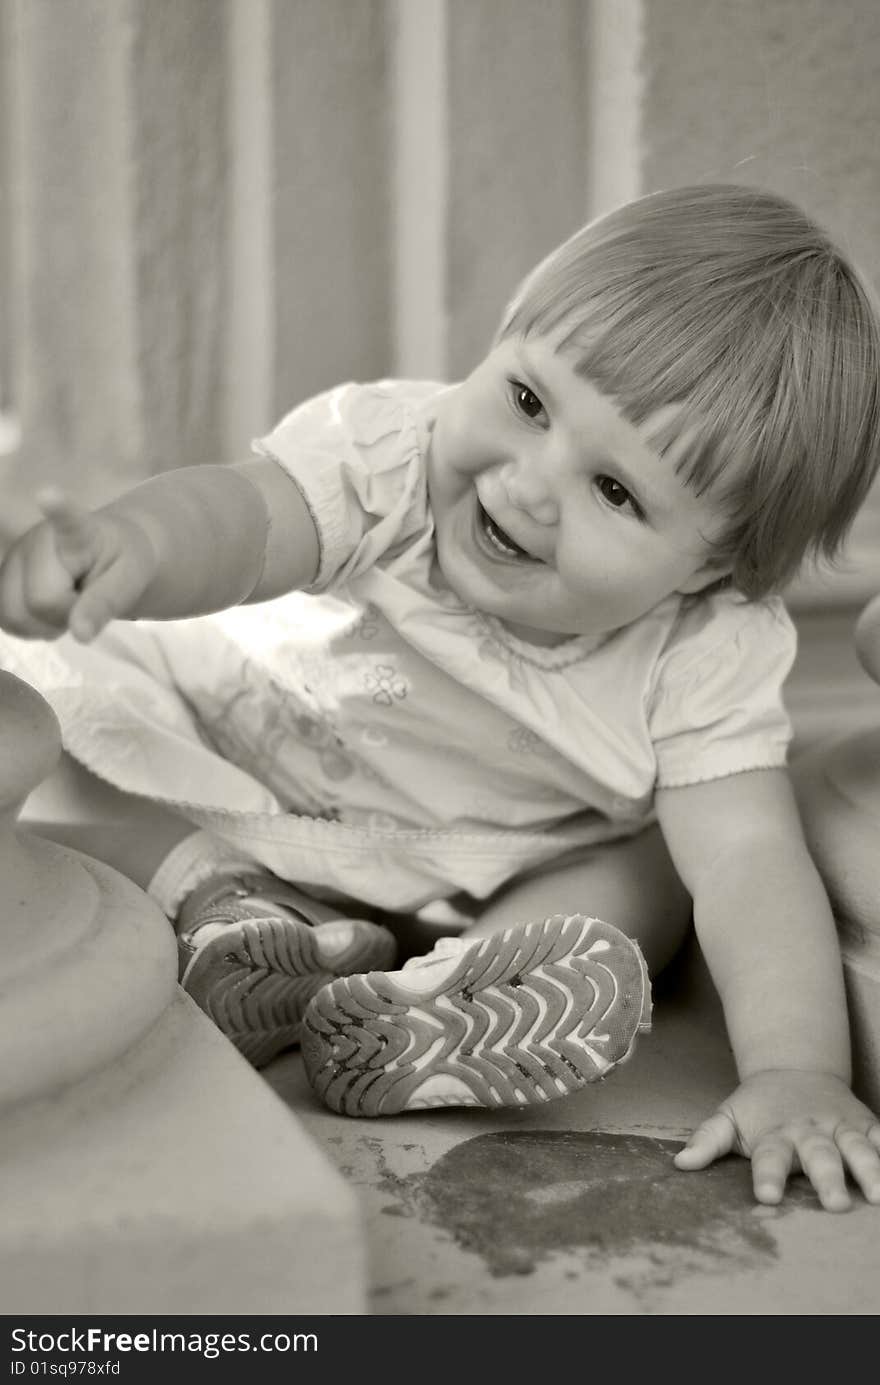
point(706, 576)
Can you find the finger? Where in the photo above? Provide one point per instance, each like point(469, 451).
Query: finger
point(711, 1140)
point(74, 529)
point(48, 586)
point(90, 614)
point(821, 1161)
point(112, 594)
point(771, 1164)
point(16, 613)
point(12, 604)
point(862, 1160)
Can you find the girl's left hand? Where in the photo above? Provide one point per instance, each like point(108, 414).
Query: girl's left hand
point(787, 1121)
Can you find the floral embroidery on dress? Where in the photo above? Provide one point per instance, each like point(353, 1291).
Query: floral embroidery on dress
point(374, 736)
point(329, 745)
point(385, 685)
point(367, 627)
point(524, 741)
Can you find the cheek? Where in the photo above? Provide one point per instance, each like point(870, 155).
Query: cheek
point(596, 564)
point(474, 438)
point(450, 449)
point(580, 557)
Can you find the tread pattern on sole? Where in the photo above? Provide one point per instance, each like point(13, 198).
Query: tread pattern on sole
point(526, 1016)
point(256, 979)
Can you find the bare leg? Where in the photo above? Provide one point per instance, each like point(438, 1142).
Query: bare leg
point(76, 809)
point(520, 1020)
point(630, 883)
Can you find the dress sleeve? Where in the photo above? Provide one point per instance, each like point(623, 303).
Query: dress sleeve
point(357, 456)
point(717, 706)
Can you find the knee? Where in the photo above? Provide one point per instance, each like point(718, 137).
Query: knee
point(647, 899)
point(630, 883)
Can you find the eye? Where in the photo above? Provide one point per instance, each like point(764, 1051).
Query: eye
point(526, 401)
point(616, 495)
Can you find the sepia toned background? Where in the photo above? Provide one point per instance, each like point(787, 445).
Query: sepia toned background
point(213, 208)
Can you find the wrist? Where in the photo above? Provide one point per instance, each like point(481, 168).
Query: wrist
point(794, 1074)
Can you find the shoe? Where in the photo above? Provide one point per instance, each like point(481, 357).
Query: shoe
point(253, 950)
point(513, 1019)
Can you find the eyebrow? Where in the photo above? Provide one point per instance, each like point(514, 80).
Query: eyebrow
point(645, 495)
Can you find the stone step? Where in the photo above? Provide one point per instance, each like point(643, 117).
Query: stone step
point(173, 1182)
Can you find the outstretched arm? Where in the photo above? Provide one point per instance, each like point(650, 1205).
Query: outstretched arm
point(766, 930)
point(184, 543)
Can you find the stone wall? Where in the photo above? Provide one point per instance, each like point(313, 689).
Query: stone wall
point(784, 94)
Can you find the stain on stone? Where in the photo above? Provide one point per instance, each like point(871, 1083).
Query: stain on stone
point(517, 1197)
point(383, 1290)
point(389, 1181)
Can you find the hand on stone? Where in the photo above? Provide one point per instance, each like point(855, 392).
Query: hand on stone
point(785, 1121)
point(74, 570)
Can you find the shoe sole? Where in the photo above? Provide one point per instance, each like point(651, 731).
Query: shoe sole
point(524, 1017)
point(256, 980)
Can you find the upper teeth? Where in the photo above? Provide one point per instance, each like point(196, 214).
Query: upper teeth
point(495, 534)
point(495, 538)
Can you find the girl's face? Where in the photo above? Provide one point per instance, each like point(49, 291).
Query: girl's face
point(553, 512)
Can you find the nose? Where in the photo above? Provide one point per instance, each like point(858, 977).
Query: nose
point(527, 490)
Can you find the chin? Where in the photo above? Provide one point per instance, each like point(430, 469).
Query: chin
point(532, 632)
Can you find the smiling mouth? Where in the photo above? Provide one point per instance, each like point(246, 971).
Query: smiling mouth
point(499, 539)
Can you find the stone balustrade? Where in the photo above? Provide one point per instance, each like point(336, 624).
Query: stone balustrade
point(88, 963)
point(145, 1167)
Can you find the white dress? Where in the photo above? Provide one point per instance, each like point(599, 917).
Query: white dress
point(379, 739)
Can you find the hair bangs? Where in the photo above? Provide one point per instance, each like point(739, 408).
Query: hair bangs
point(730, 313)
point(709, 362)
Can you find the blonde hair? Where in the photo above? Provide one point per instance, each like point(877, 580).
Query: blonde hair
point(732, 303)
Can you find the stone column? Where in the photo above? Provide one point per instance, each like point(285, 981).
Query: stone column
point(490, 158)
point(785, 94)
point(329, 195)
point(145, 1168)
point(88, 963)
point(517, 153)
point(118, 237)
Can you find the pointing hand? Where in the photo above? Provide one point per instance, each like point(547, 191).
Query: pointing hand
point(76, 569)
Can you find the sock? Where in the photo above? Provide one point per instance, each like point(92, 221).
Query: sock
point(190, 864)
